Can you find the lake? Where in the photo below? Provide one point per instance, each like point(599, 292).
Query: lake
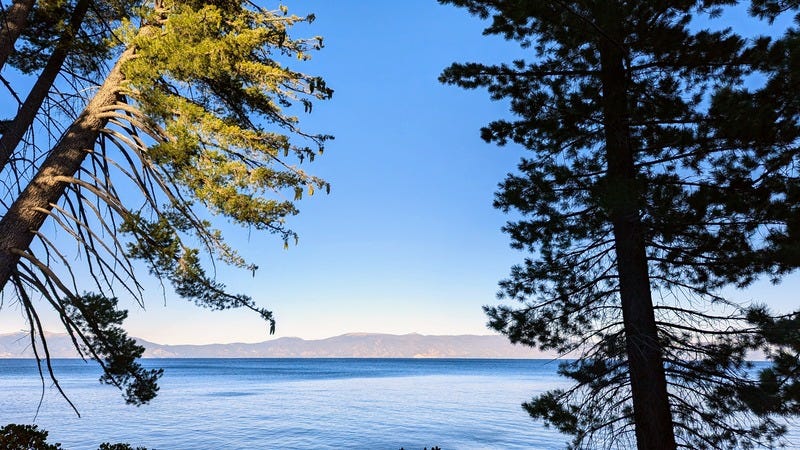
point(293, 404)
point(282, 404)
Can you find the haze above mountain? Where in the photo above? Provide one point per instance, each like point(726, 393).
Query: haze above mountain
point(353, 345)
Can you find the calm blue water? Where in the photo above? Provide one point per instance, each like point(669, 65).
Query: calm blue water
point(293, 404)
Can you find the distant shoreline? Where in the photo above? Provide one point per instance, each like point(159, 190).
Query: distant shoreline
point(244, 358)
point(347, 346)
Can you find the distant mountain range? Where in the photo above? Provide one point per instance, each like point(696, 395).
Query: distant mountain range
point(353, 345)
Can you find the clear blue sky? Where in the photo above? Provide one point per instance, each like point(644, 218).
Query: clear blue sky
point(407, 241)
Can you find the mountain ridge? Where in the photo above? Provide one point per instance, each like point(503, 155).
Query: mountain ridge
point(350, 345)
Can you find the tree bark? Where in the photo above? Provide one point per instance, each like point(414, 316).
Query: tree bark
point(25, 216)
point(652, 413)
point(15, 21)
point(27, 113)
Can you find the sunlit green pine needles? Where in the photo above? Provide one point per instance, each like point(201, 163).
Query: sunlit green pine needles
point(208, 82)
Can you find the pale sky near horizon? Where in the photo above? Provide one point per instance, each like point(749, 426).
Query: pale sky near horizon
point(407, 240)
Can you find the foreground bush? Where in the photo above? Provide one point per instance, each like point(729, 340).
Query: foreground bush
point(30, 437)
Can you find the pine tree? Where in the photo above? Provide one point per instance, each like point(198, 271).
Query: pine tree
point(62, 40)
point(14, 20)
point(193, 120)
point(636, 209)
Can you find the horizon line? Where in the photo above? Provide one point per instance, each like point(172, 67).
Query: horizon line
point(357, 333)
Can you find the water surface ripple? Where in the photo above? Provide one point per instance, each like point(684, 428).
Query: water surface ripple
point(294, 404)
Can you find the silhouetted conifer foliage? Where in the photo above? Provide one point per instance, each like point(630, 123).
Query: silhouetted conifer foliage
point(98, 321)
point(31, 437)
point(25, 437)
point(118, 446)
point(160, 118)
point(653, 179)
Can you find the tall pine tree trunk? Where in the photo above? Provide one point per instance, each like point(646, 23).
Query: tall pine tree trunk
point(26, 215)
point(652, 414)
point(15, 20)
point(27, 113)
